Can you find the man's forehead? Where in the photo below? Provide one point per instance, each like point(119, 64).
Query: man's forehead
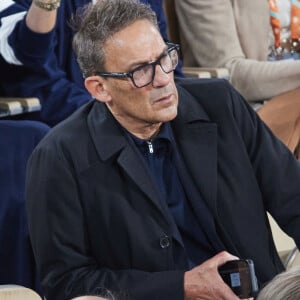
point(136, 33)
point(133, 45)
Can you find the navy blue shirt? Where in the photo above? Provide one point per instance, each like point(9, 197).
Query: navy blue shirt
point(198, 232)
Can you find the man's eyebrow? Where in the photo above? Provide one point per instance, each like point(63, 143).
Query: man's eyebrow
point(144, 62)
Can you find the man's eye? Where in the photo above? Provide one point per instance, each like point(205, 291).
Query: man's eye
point(143, 70)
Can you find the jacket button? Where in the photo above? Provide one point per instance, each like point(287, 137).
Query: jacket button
point(164, 242)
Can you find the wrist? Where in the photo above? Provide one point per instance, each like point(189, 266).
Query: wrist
point(47, 5)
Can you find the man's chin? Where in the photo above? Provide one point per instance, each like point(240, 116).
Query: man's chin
point(168, 115)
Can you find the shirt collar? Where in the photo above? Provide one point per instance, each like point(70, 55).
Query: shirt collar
point(164, 138)
point(165, 132)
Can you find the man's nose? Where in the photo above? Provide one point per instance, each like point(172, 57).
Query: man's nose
point(161, 78)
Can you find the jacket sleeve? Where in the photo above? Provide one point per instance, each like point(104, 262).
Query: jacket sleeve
point(276, 170)
point(213, 40)
point(266, 166)
point(61, 243)
point(19, 45)
point(32, 57)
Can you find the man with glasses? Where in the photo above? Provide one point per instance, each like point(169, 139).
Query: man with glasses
point(36, 57)
point(144, 74)
point(152, 186)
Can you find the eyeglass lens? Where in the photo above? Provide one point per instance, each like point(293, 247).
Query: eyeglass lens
point(145, 74)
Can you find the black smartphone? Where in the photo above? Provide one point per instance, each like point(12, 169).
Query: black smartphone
point(240, 276)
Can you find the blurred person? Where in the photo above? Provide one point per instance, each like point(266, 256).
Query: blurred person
point(153, 185)
point(258, 41)
point(284, 286)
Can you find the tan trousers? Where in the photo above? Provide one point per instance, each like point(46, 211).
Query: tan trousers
point(282, 115)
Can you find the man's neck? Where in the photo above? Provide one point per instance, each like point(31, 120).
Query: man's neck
point(146, 132)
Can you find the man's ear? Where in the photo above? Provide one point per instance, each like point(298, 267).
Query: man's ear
point(97, 87)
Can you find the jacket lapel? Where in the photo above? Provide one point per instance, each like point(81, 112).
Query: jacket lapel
point(196, 137)
point(139, 173)
point(110, 141)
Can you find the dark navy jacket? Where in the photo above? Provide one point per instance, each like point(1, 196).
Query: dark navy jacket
point(96, 219)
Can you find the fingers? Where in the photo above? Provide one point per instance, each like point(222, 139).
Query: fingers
point(221, 258)
point(204, 281)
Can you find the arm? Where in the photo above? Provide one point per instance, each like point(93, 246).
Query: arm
point(276, 169)
point(62, 246)
point(210, 31)
point(36, 26)
point(59, 96)
point(40, 20)
point(41, 74)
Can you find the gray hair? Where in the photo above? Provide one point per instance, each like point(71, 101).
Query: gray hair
point(97, 23)
point(285, 286)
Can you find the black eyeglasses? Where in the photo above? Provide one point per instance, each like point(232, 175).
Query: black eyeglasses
point(144, 74)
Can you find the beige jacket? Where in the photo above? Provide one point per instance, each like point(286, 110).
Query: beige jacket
point(235, 34)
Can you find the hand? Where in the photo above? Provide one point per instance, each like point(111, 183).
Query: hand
point(205, 283)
